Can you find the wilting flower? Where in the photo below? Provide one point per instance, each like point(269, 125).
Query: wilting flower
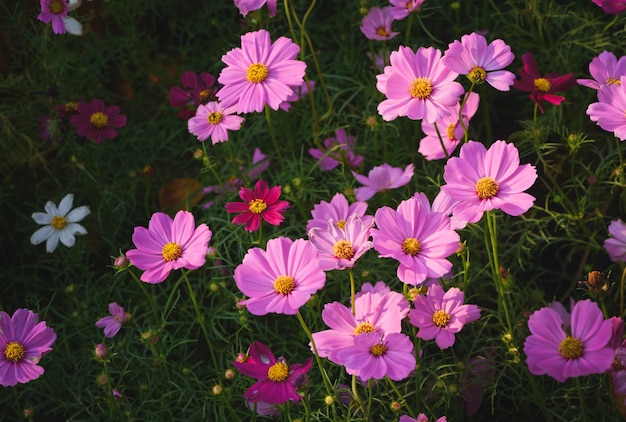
point(197, 89)
point(417, 85)
point(400, 9)
point(440, 315)
point(113, 323)
point(277, 382)
point(376, 25)
point(95, 122)
point(281, 278)
point(616, 244)
point(23, 341)
point(298, 94)
point(263, 203)
point(609, 111)
point(380, 179)
point(611, 6)
point(606, 70)
point(168, 245)
point(246, 6)
point(59, 223)
point(483, 180)
point(542, 88)
point(338, 210)
point(260, 73)
point(215, 121)
point(337, 150)
point(584, 350)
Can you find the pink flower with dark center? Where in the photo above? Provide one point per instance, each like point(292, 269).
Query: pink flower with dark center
point(606, 70)
point(542, 88)
point(55, 11)
point(113, 323)
point(247, 6)
point(197, 89)
point(611, 6)
point(260, 73)
point(380, 179)
point(338, 210)
point(168, 245)
point(95, 122)
point(281, 278)
point(263, 203)
point(213, 120)
point(23, 341)
point(484, 180)
point(337, 150)
point(277, 382)
point(417, 85)
point(440, 315)
point(609, 111)
point(417, 237)
point(481, 62)
point(376, 25)
point(616, 244)
point(583, 350)
point(400, 9)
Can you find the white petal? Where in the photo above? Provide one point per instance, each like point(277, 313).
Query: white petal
point(73, 4)
point(42, 234)
point(42, 218)
point(67, 238)
point(74, 228)
point(78, 214)
point(52, 242)
point(73, 26)
point(66, 204)
point(51, 209)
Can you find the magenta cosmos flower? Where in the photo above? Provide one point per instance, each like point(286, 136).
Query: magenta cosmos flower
point(583, 350)
point(247, 6)
point(400, 9)
point(260, 73)
point(213, 120)
point(197, 89)
point(95, 122)
point(481, 62)
point(376, 25)
point(262, 202)
point(421, 418)
point(23, 341)
point(281, 278)
point(616, 244)
point(113, 323)
point(337, 150)
point(54, 11)
point(380, 179)
point(608, 112)
point(484, 180)
point(338, 210)
point(168, 245)
point(417, 85)
point(420, 239)
point(611, 6)
point(440, 315)
point(605, 69)
point(542, 88)
point(277, 382)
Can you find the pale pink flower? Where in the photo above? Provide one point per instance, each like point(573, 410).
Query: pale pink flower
point(112, 324)
point(400, 9)
point(338, 210)
point(609, 111)
point(616, 244)
point(376, 25)
point(380, 179)
point(213, 120)
point(247, 6)
point(606, 70)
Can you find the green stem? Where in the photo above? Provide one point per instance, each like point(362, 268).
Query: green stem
point(581, 399)
point(148, 296)
point(357, 397)
point(443, 146)
point(273, 136)
point(400, 397)
point(352, 291)
point(327, 383)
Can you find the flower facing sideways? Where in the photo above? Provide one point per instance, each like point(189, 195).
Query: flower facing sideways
point(263, 203)
point(376, 25)
point(59, 223)
point(337, 150)
point(113, 323)
point(606, 70)
point(608, 112)
point(338, 210)
point(380, 179)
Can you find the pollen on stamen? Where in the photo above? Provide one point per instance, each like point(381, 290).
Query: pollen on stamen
point(343, 249)
point(486, 188)
point(450, 132)
point(56, 6)
point(441, 318)
point(257, 206)
point(382, 31)
point(411, 246)
point(364, 327)
point(257, 72)
point(571, 348)
point(58, 222)
point(341, 224)
point(613, 81)
point(278, 372)
point(214, 117)
point(421, 88)
point(477, 75)
point(542, 84)
point(99, 120)
point(14, 351)
point(284, 284)
point(378, 349)
point(171, 251)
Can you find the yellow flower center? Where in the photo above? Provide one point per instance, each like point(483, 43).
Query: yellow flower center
point(58, 222)
point(378, 349)
point(421, 88)
point(542, 84)
point(214, 117)
point(343, 249)
point(257, 73)
point(411, 246)
point(613, 81)
point(382, 31)
point(441, 318)
point(450, 131)
point(571, 348)
point(477, 75)
point(257, 206)
point(71, 106)
point(486, 187)
point(204, 95)
point(278, 372)
point(14, 351)
point(56, 6)
point(171, 251)
point(284, 285)
point(99, 119)
point(364, 327)
point(341, 224)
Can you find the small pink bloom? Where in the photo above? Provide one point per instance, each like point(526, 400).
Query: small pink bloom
point(263, 203)
point(606, 70)
point(616, 244)
point(611, 6)
point(338, 210)
point(609, 111)
point(113, 323)
point(400, 9)
point(380, 179)
point(95, 122)
point(421, 418)
point(376, 25)
point(197, 89)
point(213, 120)
point(337, 150)
point(247, 6)
point(55, 11)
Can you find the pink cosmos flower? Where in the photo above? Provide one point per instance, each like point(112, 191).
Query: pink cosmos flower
point(445, 204)
point(609, 111)
point(260, 73)
point(54, 11)
point(337, 150)
point(376, 25)
point(298, 94)
point(113, 323)
point(484, 180)
point(417, 85)
point(168, 245)
point(542, 88)
point(277, 382)
point(197, 89)
point(450, 129)
point(340, 247)
point(400, 9)
point(616, 244)
point(374, 356)
point(420, 418)
point(380, 179)
point(338, 210)
point(605, 69)
point(95, 122)
point(419, 238)
point(281, 278)
point(611, 6)
point(481, 62)
point(215, 121)
point(262, 202)
point(246, 6)
point(23, 341)
point(584, 350)
point(440, 315)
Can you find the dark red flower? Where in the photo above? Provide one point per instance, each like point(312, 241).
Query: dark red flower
point(95, 122)
point(197, 89)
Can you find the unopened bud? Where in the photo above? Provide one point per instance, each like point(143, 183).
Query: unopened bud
point(101, 352)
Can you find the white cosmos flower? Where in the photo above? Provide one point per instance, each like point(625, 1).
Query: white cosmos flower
point(59, 223)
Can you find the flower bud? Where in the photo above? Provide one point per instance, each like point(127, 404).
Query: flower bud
point(121, 262)
point(101, 352)
point(217, 390)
